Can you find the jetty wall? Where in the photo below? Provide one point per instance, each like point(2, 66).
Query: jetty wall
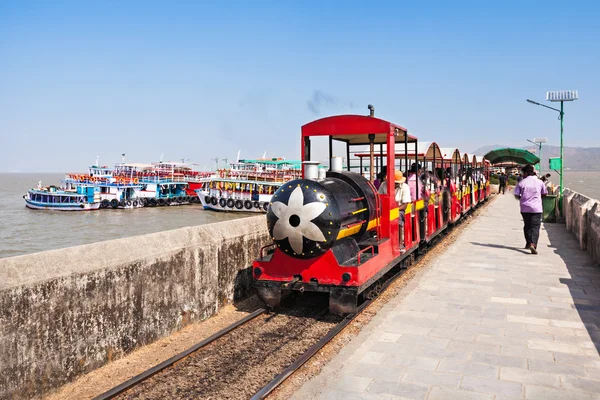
point(582, 217)
point(66, 312)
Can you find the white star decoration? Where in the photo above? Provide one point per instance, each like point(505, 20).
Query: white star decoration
point(301, 215)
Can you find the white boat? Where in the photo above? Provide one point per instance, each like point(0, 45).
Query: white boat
point(237, 195)
point(83, 198)
point(248, 185)
point(114, 191)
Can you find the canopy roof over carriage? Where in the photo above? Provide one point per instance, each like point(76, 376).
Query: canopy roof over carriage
point(512, 155)
point(482, 160)
point(469, 159)
point(425, 151)
point(451, 154)
point(355, 129)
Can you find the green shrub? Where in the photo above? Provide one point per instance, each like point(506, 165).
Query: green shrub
point(512, 181)
point(494, 180)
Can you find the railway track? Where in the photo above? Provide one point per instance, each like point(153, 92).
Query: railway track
point(123, 387)
point(234, 363)
point(264, 344)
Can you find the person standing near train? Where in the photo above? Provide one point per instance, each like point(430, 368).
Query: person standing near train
point(529, 191)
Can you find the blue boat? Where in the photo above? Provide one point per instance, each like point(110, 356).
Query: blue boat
point(83, 198)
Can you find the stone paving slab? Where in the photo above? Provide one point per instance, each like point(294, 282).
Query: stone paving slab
point(485, 320)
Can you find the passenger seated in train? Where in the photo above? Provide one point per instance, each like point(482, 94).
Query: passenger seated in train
point(380, 178)
point(402, 195)
point(414, 172)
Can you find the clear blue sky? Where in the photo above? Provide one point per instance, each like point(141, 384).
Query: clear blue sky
point(197, 80)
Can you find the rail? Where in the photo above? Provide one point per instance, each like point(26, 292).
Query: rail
point(109, 394)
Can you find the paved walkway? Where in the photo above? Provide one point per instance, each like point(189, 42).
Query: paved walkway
point(486, 320)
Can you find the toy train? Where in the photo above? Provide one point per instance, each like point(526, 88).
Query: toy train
point(337, 234)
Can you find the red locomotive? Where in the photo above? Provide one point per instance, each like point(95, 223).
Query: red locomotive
point(337, 234)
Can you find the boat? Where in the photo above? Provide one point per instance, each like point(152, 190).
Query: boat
point(82, 198)
point(134, 185)
point(114, 191)
point(247, 185)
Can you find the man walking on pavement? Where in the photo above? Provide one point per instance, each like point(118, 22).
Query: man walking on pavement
point(502, 178)
point(529, 191)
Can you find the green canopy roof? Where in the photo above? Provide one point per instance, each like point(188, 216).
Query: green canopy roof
point(507, 155)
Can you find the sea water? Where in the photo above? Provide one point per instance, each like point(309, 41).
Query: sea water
point(24, 231)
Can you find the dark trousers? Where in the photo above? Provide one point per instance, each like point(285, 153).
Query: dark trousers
point(502, 188)
point(401, 228)
point(531, 227)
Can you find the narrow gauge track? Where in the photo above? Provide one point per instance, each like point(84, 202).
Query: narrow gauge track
point(279, 379)
point(130, 383)
point(235, 362)
point(262, 343)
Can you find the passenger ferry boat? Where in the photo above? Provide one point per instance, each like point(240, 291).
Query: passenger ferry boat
point(247, 185)
point(82, 198)
point(162, 183)
point(134, 185)
point(114, 192)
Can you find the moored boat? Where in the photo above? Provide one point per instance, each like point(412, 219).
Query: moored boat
point(237, 195)
point(83, 198)
point(114, 192)
point(247, 185)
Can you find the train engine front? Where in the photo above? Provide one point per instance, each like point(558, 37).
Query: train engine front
point(323, 233)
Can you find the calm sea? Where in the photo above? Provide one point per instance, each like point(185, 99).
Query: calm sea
point(24, 231)
point(587, 183)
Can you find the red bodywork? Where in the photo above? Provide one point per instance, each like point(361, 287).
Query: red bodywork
point(355, 130)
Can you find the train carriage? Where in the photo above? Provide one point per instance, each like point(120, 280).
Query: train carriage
point(453, 165)
point(467, 182)
point(474, 180)
point(487, 169)
point(427, 216)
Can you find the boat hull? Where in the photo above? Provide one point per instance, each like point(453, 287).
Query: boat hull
point(219, 206)
point(62, 207)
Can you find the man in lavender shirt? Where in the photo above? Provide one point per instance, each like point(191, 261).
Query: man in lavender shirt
point(529, 191)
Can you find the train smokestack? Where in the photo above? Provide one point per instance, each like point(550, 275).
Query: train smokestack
point(371, 110)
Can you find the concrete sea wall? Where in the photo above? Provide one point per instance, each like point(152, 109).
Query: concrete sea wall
point(66, 312)
point(582, 217)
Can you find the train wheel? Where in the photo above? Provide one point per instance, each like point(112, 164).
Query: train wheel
point(343, 301)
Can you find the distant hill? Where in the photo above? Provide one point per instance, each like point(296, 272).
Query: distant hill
point(576, 158)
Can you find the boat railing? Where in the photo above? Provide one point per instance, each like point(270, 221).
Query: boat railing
point(162, 180)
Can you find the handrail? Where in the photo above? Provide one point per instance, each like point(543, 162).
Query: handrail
point(266, 247)
point(363, 250)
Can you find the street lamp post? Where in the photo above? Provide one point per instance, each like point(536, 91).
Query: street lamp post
point(538, 142)
point(562, 96)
